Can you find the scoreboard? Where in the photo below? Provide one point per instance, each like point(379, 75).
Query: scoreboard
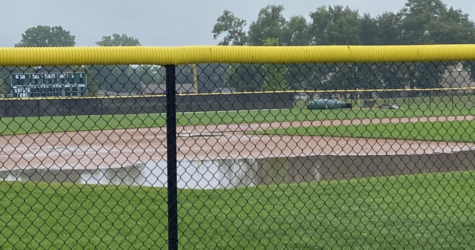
point(48, 84)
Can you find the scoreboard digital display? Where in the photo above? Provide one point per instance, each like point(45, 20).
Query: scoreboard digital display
point(48, 84)
point(47, 78)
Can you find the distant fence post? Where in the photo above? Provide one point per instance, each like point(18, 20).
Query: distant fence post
point(171, 158)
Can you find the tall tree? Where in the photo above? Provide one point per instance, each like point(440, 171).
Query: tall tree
point(368, 30)
point(388, 28)
point(118, 78)
point(431, 22)
point(118, 40)
point(245, 77)
point(232, 28)
point(416, 15)
point(211, 76)
point(92, 86)
point(46, 36)
point(419, 22)
point(150, 74)
point(451, 27)
point(336, 25)
point(270, 23)
point(350, 76)
point(275, 74)
point(319, 25)
point(4, 88)
point(296, 32)
point(115, 78)
point(5, 84)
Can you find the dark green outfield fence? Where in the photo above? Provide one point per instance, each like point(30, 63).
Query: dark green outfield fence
point(375, 148)
point(142, 104)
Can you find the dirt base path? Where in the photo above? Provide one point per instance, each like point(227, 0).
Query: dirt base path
point(117, 148)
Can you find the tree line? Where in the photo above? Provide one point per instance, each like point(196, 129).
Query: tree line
point(57, 36)
point(417, 22)
point(108, 78)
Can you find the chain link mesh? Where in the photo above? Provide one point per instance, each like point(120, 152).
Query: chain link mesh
point(269, 156)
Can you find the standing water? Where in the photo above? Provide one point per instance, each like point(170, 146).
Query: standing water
point(227, 173)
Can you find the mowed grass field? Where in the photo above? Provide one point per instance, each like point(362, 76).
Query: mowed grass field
point(424, 211)
point(411, 107)
point(448, 131)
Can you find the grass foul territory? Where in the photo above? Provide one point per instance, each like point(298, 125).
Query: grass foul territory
point(412, 212)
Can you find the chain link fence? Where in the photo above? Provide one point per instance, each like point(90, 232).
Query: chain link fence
point(238, 156)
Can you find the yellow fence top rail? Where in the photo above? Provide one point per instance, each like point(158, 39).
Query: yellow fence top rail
point(232, 54)
point(182, 94)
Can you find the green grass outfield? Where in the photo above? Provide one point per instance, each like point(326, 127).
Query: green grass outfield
point(423, 211)
point(411, 107)
point(449, 131)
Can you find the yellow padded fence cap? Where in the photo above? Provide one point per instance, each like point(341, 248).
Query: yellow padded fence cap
point(232, 54)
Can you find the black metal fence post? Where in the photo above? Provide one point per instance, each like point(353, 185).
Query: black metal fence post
point(171, 158)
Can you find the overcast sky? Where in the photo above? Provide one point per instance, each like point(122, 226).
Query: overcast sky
point(161, 23)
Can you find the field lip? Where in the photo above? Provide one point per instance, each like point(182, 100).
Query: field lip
point(217, 129)
point(32, 131)
point(117, 148)
point(246, 127)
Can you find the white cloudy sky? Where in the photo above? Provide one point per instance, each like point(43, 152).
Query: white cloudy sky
point(158, 22)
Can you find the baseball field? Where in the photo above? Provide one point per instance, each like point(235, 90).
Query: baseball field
point(415, 210)
point(410, 107)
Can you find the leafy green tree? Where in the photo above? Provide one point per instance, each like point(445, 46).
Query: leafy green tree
point(275, 78)
point(46, 36)
point(4, 88)
point(350, 76)
point(319, 25)
point(270, 23)
point(184, 73)
point(150, 74)
point(211, 76)
point(275, 74)
point(418, 22)
point(416, 15)
point(92, 86)
point(118, 40)
point(431, 22)
point(232, 28)
point(258, 77)
point(296, 32)
point(369, 30)
point(245, 77)
point(309, 76)
point(122, 79)
point(452, 27)
point(5, 80)
point(392, 75)
point(388, 28)
point(117, 78)
point(336, 25)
